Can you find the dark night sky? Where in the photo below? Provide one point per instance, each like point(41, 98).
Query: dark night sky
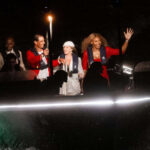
point(76, 19)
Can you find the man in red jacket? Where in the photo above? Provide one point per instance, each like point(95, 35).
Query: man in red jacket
point(38, 58)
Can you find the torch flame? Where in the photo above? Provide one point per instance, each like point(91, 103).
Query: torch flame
point(50, 18)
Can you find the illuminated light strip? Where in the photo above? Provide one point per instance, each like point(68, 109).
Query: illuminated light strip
point(126, 67)
point(132, 100)
point(56, 105)
point(91, 103)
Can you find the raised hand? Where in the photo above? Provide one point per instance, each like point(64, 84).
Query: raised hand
point(128, 34)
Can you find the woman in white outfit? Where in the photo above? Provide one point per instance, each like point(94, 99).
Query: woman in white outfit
point(72, 65)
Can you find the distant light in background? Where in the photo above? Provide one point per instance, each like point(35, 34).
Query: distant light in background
point(127, 70)
point(46, 4)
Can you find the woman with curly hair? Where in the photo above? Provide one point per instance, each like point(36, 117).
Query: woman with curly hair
point(95, 49)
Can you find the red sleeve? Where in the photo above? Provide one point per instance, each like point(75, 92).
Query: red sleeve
point(33, 60)
point(85, 60)
point(111, 51)
point(55, 63)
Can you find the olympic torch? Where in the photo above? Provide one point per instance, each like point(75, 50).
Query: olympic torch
point(50, 18)
point(49, 41)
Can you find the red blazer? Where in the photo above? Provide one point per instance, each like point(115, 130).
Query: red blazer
point(109, 52)
point(34, 62)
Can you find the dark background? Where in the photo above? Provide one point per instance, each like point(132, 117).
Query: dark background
point(74, 20)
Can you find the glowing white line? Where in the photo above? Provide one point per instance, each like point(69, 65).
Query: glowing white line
point(56, 105)
point(92, 103)
point(131, 100)
point(126, 67)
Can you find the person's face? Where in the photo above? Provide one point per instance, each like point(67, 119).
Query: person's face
point(96, 43)
point(10, 44)
point(67, 50)
point(40, 43)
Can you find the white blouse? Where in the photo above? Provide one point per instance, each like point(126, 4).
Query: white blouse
point(72, 86)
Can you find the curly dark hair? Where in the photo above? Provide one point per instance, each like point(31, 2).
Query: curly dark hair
point(87, 41)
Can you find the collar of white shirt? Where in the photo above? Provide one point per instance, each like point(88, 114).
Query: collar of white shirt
point(10, 52)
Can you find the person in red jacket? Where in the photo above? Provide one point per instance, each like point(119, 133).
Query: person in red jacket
point(96, 49)
point(38, 58)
